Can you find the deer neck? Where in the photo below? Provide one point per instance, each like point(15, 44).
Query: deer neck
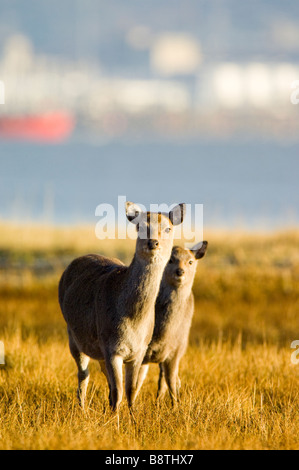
point(172, 298)
point(142, 286)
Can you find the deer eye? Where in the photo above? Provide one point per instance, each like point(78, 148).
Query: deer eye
point(168, 229)
point(191, 261)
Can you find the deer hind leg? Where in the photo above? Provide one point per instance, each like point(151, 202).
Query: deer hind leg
point(82, 361)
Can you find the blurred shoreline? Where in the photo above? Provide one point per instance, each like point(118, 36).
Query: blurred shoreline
point(40, 251)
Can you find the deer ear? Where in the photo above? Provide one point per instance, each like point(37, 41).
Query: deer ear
point(133, 212)
point(199, 250)
point(177, 214)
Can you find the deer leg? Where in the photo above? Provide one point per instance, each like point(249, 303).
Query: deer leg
point(104, 370)
point(179, 384)
point(162, 385)
point(114, 370)
point(171, 368)
point(132, 374)
point(141, 377)
point(82, 361)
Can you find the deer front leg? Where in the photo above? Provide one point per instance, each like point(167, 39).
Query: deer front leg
point(104, 370)
point(162, 385)
point(141, 377)
point(132, 376)
point(114, 370)
point(170, 369)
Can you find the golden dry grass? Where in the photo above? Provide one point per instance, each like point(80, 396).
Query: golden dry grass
point(240, 389)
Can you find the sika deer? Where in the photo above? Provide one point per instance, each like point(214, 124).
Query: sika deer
point(174, 312)
point(109, 308)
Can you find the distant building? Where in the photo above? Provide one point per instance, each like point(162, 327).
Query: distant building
point(253, 85)
point(137, 96)
point(175, 54)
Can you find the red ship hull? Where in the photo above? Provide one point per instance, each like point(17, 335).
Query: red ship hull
point(51, 127)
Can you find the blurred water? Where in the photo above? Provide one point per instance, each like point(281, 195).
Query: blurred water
point(251, 184)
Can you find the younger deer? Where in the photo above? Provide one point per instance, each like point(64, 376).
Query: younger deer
point(174, 312)
point(109, 308)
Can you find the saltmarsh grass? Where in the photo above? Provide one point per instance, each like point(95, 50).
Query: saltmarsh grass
point(239, 387)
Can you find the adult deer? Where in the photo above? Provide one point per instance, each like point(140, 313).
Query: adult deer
point(109, 308)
